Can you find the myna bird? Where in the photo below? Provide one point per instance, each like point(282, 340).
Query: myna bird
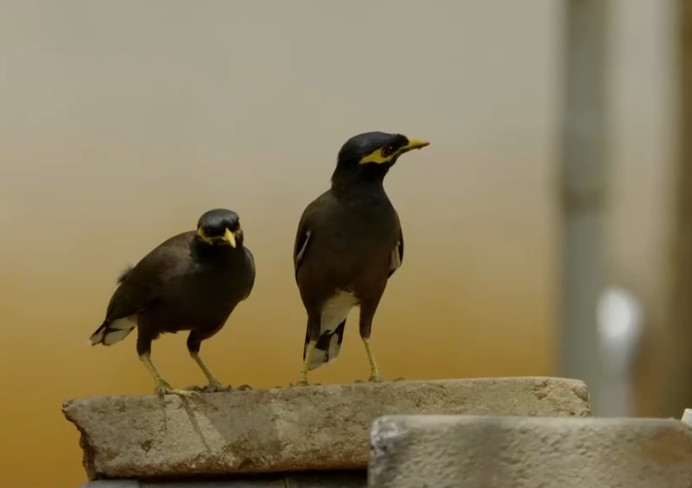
point(192, 281)
point(348, 243)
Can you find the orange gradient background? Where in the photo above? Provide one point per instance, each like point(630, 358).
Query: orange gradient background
point(121, 122)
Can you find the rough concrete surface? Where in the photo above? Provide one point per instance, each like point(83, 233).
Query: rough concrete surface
point(287, 429)
point(521, 452)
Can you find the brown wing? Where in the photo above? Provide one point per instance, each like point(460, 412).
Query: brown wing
point(142, 285)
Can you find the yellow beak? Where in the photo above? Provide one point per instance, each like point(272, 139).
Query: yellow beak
point(415, 144)
point(229, 237)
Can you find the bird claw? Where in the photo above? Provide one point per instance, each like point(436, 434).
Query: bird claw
point(399, 379)
point(211, 387)
point(376, 378)
point(164, 388)
point(215, 386)
point(244, 388)
point(186, 393)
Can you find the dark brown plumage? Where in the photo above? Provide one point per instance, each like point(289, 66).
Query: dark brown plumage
point(192, 281)
point(348, 243)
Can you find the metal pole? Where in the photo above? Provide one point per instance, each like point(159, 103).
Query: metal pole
point(676, 384)
point(583, 174)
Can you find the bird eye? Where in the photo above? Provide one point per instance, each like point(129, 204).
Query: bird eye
point(387, 150)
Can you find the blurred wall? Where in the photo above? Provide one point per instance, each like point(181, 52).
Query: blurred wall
point(121, 122)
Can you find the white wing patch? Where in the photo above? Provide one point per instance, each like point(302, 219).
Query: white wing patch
point(301, 251)
point(395, 259)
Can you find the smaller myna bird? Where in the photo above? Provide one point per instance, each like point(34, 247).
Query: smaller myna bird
point(192, 281)
point(348, 244)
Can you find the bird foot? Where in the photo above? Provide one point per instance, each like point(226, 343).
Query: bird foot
point(162, 388)
point(302, 379)
point(244, 388)
point(399, 379)
point(376, 378)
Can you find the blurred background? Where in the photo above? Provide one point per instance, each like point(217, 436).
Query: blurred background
point(548, 227)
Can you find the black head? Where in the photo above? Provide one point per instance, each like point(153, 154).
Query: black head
point(368, 156)
point(220, 227)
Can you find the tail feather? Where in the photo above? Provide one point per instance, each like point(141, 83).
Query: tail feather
point(327, 347)
point(111, 332)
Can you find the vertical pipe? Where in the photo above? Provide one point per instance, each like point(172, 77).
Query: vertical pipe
point(583, 175)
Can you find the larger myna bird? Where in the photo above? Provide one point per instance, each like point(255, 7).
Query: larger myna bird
point(348, 243)
point(192, 281)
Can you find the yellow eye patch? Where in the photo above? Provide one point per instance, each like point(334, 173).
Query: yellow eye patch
point(379, 156)
point(205, 238)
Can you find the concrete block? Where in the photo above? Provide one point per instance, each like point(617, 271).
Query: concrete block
point(521, 452)
point(288, 429)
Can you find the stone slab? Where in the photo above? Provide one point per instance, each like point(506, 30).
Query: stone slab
point(687, 417)
point(287, 429)
point(330, 479)
point(521, 452)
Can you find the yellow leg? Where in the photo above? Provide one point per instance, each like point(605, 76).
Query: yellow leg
point(162, 387)
point(303, 377)
point(214, 384)
point(374, 370)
